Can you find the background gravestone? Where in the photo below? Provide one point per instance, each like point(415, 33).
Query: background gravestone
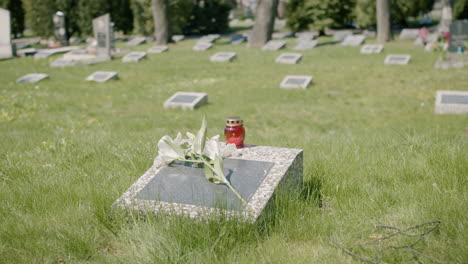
point(60, 30)
point(157, 49)
point(353, 40)
point(458, 35)
point(178, 38)
point(306, 44)
point(102, 76)
point(371, 48)
point(186, 100)
point(305, 36)
point(134, 56)
point(274, 45)
point(451, 102)
point(33, 78)
point(289, 58)
point(202, 46)
point(223, 57)
point(6, 49)
point(103, 35)
point(282, 35)
point(237, 39)
point(430, 39)
point(399, 59)
point(296, 82)
point(409, 33)
point(341, 35)
point(136, 41)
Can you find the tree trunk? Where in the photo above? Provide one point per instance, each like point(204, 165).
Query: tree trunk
point(162, 21)
point(264, 22)
point(384, 26)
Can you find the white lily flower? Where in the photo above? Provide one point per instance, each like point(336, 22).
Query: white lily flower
point(229, 150)
point(166, 152)
point(212, 147)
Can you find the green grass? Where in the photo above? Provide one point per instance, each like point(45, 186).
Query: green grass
point(374, 153)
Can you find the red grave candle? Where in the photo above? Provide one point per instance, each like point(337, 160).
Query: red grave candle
point(234, 131)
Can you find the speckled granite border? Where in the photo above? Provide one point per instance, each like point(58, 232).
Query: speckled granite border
point(287, 171)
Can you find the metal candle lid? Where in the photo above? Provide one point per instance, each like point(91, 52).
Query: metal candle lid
point(234, 121)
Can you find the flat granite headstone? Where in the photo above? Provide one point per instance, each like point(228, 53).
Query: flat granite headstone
point(102, 76)
point(353, 40)
point(33, 78)
point(372, 48)
point(451, 102)
point(6, 49)
point(209, 38)
point(134, 56)
point(238, 39)
point(158, 49)
point(178, 38)
point(289, 58)
point(305, 36)
point(458, 35)
point(103, 34)
point(274, 45)
point(60, 30)
point(202, 46)
point(223, 57)
point(44, 53)
point(296, 82)
point(186, 100)
point(305, 45)
point(257, 175)
point(399, 59)
point(409, 33)
point(136, 41)
point(341, 35)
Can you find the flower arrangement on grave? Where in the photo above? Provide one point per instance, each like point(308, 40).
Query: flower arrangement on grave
point(199, 150)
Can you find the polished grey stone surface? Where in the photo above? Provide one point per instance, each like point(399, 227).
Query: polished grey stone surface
point(296, 82)
point(186, 100)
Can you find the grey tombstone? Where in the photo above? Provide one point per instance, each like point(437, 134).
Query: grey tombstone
point(237, 39)
point(186, 100)
point(305, 36)
point(62, 62)
point(341, 35)
point(44, 53)
point(102, 76)
point(353, 40)
point(282, 35)
point(136, 41)
point(409, 33)
point(458, 35)
point(430, 39)
point(103, 34)
point(372, 48)
point(134, 56)
point(178, 38)
point(289, 58)
point(6, 49)
point(158, 49)
point(202, 46)
point(33, 78)
point(60, 30)
point(223, 57)
point(209, 38)
point(451, 102)
point(274, 45)
point(258, 175)
point(305, 45)
point(398, 59)
point(296, 82)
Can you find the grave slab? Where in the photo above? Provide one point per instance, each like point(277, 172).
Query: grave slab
point(102, 76)
point(178, 38)
point(223, 57)
point(451, 102)
point(341, 35)
point(409, 33)
point(305, 45)
point(158, 49)
point(372, 48)
point(258, 174)
point(273, 45)
point(186, 100)
point(44, 53)
point(398, 59)
point(296, 82)
point(305, 36)
point(134, 56)
point(238, 39)
point(33, 78)
point(136, 41)
point(289, 58)
point(202, 46)
point(353, 40)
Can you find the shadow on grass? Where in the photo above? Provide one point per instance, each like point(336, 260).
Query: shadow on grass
point(327, 43)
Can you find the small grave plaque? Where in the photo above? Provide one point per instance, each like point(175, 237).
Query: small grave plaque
point(238, 39)
point(288, 58)
point(186, 100)
point(296, 82)
point(274, 45)
point(451, 102)
point(202, 46)
point(282, 35)
point(400, 59)
point(102, 76)
point(209, 38)
point(27, 52)
point(305, 45)
point(458, 35)
point(353, 40)
point(305, 36)
point(408, 33)
point(257, 175)
point(6, 49)
point(178, 38)
point(134, 56)
point(33, 78)
point(372, 48)
point(136, 41)
point(341, 35)
point(223, 56)
point(158, 49)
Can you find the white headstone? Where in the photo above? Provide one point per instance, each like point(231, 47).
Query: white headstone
point(223, 57)
point(408, 33)
point(136, 41)
point(202, 46)
point(103, 34)
point(353, 40)
point(186, 100)
point(371, 48)
point(134, 56)
point(288, 58)
point(178, 38)
point(296, 82)
point(305, 36)
point(158, 49)
point(305, 45)
point(274, 45)
point(399, 59)
point(33, 77)
point(341, 35)
point(102, 76)
point(6, 49)
point(451, 102)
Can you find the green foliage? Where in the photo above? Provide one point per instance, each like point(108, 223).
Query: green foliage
point(121, 15)
point(88, 10)
point(365, 13)
point(210, 16)
point(39, 16)
point(16, 15)
point(460, 9)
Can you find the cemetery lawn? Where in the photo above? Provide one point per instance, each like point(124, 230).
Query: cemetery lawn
point(374, 154)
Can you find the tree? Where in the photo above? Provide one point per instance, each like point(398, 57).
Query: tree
point(264, 22)
point(162, 23)
point(122, 15)
point(384, 30)
point(16, 15)
point(460, 9)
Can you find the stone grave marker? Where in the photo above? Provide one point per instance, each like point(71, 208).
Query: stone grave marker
point(209, 38)
point(353, 40)
point(60, 30)
point(458, 35)
point(274, 45)
point(33, 78)
point(186, 100)
point(102, 76)
point(372, 48)
point(158, 49)
point(134, 56)
point(341, 35)
point(136, 41)
point(223, 57)
point(238, 39)
point(103, 34)
point(305, 45)
point(399, 59)
point(44, 53)
point(202, 46)
point(258, 175)
point(409, 33)
point(178, 38)
point(62, 62)
point(430, 38)
point(282, 35)
point(289, 58)
point(296, 82)
point(305, 36)
point(451, 102)
point(6, 49)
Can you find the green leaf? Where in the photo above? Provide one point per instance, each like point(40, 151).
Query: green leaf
point(218, 169)
point(180, 152)
point(209, 174)
point(199, 142)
